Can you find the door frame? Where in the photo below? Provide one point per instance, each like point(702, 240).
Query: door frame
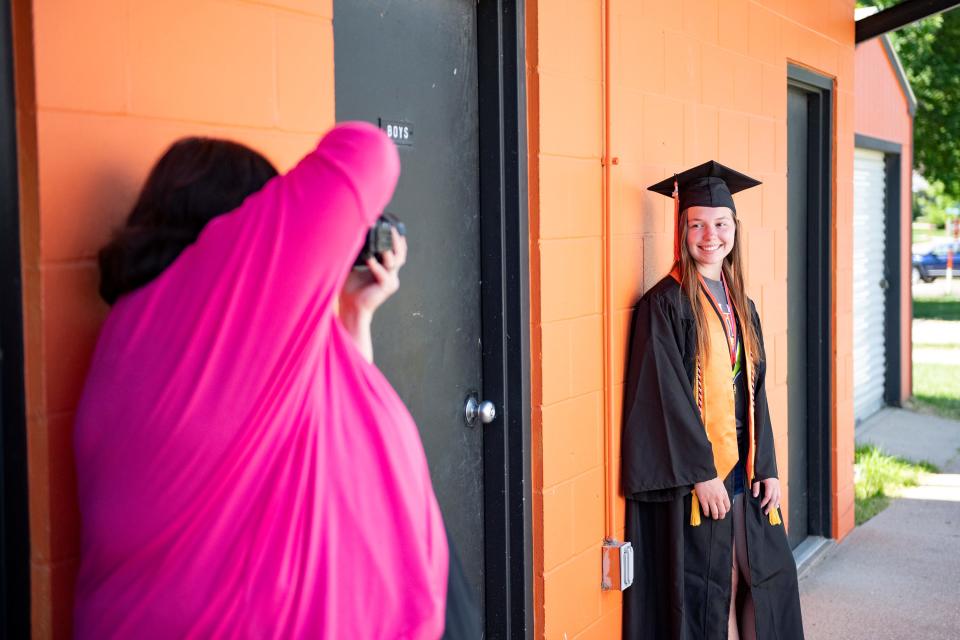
point(893, 265)
point(505, 295)
point(14, 520)
point(819, 89)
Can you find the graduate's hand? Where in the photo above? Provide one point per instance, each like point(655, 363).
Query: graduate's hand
point(771, 493)
point(714, 501)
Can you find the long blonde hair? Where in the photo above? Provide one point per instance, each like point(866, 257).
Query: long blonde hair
point(733, 271)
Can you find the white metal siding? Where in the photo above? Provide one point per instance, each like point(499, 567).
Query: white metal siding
point(869, 297)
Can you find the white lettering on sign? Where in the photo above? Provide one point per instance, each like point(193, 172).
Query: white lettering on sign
point(398, 132)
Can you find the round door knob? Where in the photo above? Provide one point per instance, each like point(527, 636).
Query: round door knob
point(884, 284)
point(477, 412)
point(487, 411)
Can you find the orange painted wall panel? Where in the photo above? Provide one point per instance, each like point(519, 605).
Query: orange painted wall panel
point(881, 110)
point(110, 85)
point(689, 82)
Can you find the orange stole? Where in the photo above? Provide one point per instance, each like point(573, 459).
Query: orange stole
point(714, 391)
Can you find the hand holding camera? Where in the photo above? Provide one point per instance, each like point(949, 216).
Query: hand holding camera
point(374, 278)
point(379, 239)
point(377, 277)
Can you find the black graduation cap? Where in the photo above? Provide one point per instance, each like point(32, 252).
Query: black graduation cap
point(707, 185)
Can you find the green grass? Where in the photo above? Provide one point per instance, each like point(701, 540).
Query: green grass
point(941, 308)
point(879, 477)
point(936, 388)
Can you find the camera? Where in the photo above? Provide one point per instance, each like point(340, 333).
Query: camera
point(379, 239)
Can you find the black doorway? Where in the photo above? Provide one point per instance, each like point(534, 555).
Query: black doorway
point(809, 273)
point(14, 534)
point(444, 79)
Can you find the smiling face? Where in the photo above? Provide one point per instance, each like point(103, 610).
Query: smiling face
point(711, 232)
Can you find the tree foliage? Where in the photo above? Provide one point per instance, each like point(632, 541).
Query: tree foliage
point(932, 204)
point(930, 53)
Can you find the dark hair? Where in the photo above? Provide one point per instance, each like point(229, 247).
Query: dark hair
point(196, 180)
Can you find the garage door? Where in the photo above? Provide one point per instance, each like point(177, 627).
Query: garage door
point(869, 282)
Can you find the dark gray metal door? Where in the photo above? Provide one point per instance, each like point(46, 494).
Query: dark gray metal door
point(412, 66)
point(809, 283)
point(797, 303)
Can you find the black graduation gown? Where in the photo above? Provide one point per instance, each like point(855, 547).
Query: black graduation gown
point(681, 587)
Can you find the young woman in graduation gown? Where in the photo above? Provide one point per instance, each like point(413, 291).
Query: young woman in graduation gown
point(699, 468)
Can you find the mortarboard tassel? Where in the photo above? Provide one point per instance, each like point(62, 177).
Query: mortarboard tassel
point(774, 517)
point(694, 509)
point(676, 220)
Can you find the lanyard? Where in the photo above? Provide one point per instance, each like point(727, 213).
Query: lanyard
point(729, 321)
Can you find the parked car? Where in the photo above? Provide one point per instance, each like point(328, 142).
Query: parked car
point(933, 264)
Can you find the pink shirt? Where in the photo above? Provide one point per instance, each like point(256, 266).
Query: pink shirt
point(242, 470)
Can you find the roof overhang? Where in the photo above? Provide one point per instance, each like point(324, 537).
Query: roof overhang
point(900, 15)
point(901, 75)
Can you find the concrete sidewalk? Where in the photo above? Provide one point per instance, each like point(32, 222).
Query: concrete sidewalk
point(898, 575)
point(914, 436)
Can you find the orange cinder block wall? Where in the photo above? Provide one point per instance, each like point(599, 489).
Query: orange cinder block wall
point(690, 82)
point(102, 89)
point(883, 111)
